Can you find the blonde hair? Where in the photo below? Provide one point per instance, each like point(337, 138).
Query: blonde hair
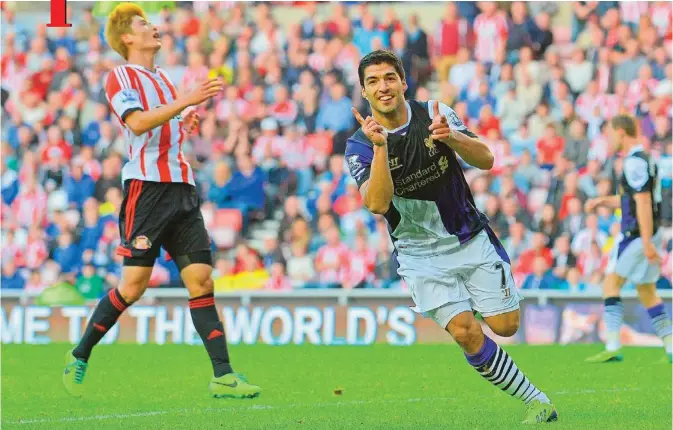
point(119, 23)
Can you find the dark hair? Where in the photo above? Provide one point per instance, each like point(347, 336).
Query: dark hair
point(626, 123)
point(382, 56)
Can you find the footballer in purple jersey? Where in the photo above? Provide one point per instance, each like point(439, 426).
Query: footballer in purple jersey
point(405, 161)
point(635, 257)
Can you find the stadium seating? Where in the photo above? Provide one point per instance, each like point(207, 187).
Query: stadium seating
point(55, 118)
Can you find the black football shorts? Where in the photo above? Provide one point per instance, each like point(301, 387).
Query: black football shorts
point(157, 214)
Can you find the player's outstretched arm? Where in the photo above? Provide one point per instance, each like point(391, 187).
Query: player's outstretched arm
point(377, 191)
point(139, 122)
point(475, 152)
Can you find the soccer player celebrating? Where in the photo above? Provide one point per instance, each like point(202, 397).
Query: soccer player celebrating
point(635, 256)
point(404, 161)
point(161, 206)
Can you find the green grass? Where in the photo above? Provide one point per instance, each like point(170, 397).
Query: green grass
point(384, 387)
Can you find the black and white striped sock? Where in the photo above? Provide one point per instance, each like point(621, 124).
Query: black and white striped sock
point(497, 367)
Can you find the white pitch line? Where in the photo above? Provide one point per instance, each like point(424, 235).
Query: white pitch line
point(288, 406)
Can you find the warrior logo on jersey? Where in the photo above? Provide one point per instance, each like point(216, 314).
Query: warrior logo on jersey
point(432, 147)
point(394, 163)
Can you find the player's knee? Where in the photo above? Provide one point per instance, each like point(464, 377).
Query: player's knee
point(198, 279)
point(134, 282)
point(132, 291)
point(201, 289)
point(466, 331)
point(505, 325)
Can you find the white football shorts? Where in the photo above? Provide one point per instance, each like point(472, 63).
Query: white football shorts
point(627, 259)
point(474, 276)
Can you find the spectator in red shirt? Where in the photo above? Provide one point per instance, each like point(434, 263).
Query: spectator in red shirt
point(450, 35)
point(247, 260)
point(570, 192)
point(190, 24)
point(55, 147)
point(549, 147)
point(487, 121)
point(538, 249)
point(284, 109)
point(41, 80)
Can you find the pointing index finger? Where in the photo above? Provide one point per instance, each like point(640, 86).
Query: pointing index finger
point(435, 108)
point(357, 116)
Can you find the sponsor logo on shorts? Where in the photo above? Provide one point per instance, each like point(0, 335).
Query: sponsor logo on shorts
point(141, 243)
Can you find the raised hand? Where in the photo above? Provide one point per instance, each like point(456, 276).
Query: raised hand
point(440, 125)
point(191, 122)
point(204, 91)
point(372, 129)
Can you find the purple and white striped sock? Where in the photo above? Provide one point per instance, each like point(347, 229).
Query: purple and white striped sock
point(497, 367)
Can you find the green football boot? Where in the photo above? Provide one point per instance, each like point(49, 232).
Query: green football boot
point(73, 375)
point(540, 413)
point(606, 357)
point(233, 386)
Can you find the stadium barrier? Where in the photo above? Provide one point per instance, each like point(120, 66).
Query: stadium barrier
point(321, 317)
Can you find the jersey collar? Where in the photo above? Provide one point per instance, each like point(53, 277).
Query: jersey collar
point(402, 127)
point(138, 66)
point(635, 149)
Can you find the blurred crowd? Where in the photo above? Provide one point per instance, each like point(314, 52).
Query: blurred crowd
point(269, 152)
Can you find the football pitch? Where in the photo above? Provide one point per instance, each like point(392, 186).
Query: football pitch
point(306, 386)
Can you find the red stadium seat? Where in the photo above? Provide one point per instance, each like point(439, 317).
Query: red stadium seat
point(226, 226)
point(229, 218)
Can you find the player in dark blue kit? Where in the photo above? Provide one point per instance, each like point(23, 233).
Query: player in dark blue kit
point(404, 159)
point(635, 256)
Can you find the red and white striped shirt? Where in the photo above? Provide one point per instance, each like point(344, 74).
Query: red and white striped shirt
point(491, 34)
point(30, 207)
point(12, 252)
point(156, 155)
point(339, 258)
point(635, 92)
point(36, 254)
point(362, 265)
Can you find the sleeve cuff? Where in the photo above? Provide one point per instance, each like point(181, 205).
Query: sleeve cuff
point(128, 111)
